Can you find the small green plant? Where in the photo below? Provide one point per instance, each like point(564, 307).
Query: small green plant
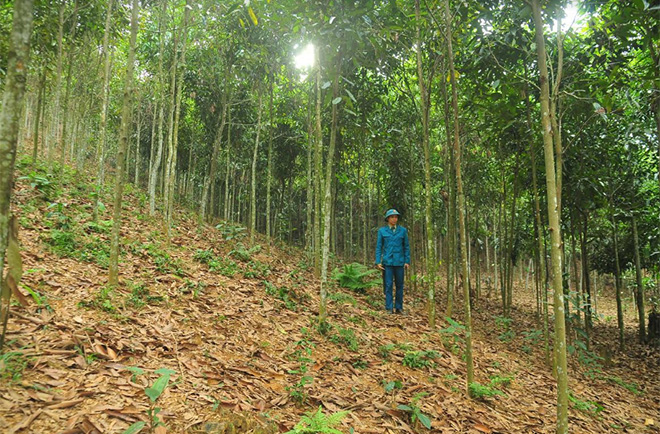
point(532, 339)
point(297, 391)
point(346, 337)
point(193, 287)
point(139, 296)
point(482, 392)
point(256, 269)
point(631, 387)
point(12, 365)
point(318, 423)
point(453, 335)
point(392, 385)
point(42, 183)
point(419, 359)
point(230, 231)
point(103, 300)
point(62, 243)
point(360, 363)
point(242, 253)
point(587, 358)
point(589, 407)
point(501, 381)
point(504, 324)
point(342, 298)
point(153, 393)
point(415, 412)
point(355, 276)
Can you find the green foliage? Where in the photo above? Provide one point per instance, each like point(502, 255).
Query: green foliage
point(318, 423)
point(392, 385)
point(355, 277)
point(41, 182)
point(504, 381)
point(342, 298)
point(454, 331)
point(103, 300)
point(531, 338)
point(242, 253)
point(504, 324)
point(631, 387)
point(360, 363)
point(589, 407)
point(587, 358)
point(283, 293)
point(346, 337)
point(415, 411)
point(223, 266)
point(140, 297)
point(256, 269)
point(153, 392)
point(482, 392)
point(12, 365)
point(419, 359)
point(164, 262)
point(62, 243)
point(230, 231)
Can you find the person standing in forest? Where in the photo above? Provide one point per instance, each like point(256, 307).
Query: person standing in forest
point(392, 258)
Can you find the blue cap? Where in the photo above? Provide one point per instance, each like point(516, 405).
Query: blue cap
point(391, 212)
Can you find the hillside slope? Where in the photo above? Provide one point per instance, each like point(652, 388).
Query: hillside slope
point(236, 326)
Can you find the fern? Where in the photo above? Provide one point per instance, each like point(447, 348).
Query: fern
point(355, 276)
point(318, 423)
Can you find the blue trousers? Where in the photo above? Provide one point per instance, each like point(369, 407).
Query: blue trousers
point(392, 275)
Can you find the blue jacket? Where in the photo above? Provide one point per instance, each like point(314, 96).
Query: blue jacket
point(392, 247)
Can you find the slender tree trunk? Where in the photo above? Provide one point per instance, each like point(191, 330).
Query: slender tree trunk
point(467, 318)
point(424, 109)
point(67, 91)
point(137, 145)
point(170, 161)
point(617, 283)
point(210, 179)
point(156, 162)
point(269, 171)
point(40, 109)
point(318, 157)
point(253, 183)
point(309, 231)
point(554, 219)
point(123, 144)
point(12, 106)
point(58, 88)
point(586, 277)
point(640, 284)
point(178, 70)
point(327, 202)
point(228, 152)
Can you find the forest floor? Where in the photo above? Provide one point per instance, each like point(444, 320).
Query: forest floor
point(235, 323)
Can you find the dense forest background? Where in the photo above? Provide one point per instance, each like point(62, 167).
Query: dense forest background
point(515, 141)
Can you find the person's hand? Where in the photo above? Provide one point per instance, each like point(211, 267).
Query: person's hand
point(380, 267)
point(406, 266)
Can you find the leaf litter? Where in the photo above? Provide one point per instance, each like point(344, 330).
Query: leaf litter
point(241, 342)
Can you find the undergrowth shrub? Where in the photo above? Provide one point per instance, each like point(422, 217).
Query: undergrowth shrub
point(355, 276)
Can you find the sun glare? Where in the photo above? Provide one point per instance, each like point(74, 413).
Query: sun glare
point(305, 57)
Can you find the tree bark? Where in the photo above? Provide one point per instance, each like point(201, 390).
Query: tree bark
point(617, 283)
point(123, 144)
point(554, 219)
point(424, 109)
point(10, 111)
point(253, 183)
point(640, 284)
point(467, 315)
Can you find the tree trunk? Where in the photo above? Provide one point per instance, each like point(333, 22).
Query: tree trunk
point(617, 283)
point(327, 202)
point(554, 219)
point(210, 179)
point(318, 157)
point(123, 144)
point(269, 170)
point(640, 284)
point(178, 67)
point(467, 316)
point(253, 183)
point(424, 109)
point(588, 316)
point(228, 152)
point(309, 237)
point(58, 89)
point(155, 163)
point(39, 111)
point(12, 106)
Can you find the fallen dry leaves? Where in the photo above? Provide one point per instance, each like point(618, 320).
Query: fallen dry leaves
point(237, 349)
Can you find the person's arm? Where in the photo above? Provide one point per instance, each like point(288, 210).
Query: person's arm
point(406, 248)
point(379, 248)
